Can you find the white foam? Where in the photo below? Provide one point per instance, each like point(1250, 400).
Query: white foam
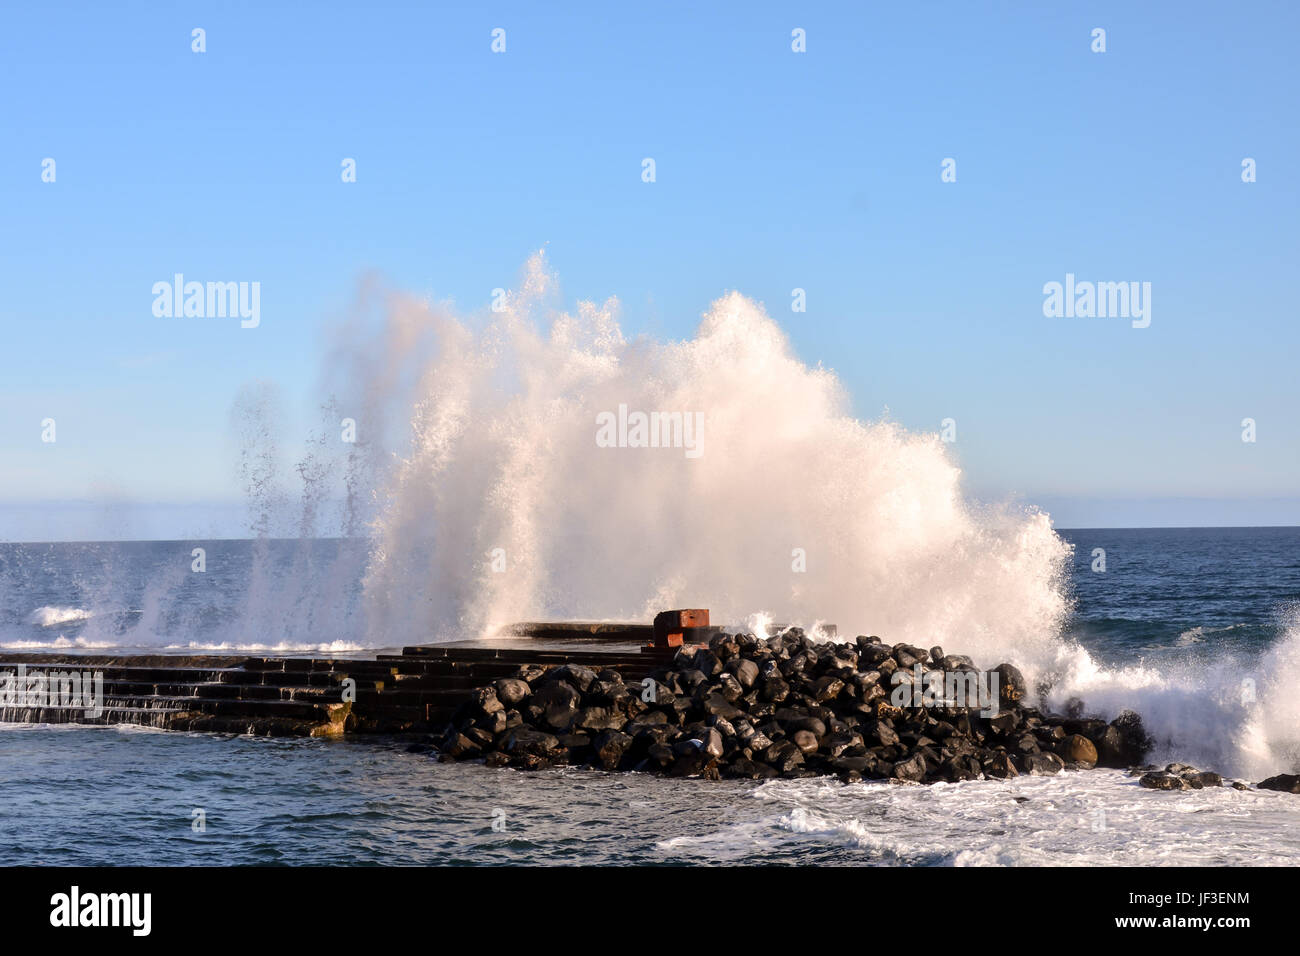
point(503, 455)
point(329, 647)
point(1096, 817)
point(53, 616)
point(59, 643)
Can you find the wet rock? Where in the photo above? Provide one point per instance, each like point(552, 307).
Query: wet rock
point(556, 694)
point(861, 764)
point(873, 655)
point(836, 744)
point(719, 706)
point(1000, 766)
point(1041, 764)
point(1124, 743)
point(575, 675)
point(531, 673)
point(596, 719)
point(528, 740)
point(1005, 722)
point(805, 740)
point(1011, 685)
point(512, 691)
point(610, 747)
point(1077, 748)
point(961, 767)
point(745, 672)
point(773, 689)
point(660, 756)
point(913, 768)
point(1163, 780)
point(458, 746)
point(603, 693)
point(882, 733)
point(711, 742)
point(827, 688)
point(1285, 782)
point(689, 764)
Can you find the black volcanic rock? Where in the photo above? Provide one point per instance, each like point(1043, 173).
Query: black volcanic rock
point(1285, 782)
point(748, 708)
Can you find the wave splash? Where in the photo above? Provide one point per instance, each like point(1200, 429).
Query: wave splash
point(50, 616)
point(504, 455)
point(505, 507)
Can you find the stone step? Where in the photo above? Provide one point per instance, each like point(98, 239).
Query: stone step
point(292, 709)
point(128, 672)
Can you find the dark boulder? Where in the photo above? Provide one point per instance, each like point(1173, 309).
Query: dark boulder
point(999, 765)
point(745, 671)
point(575, 675)
point(1124, 743)
point(805, 740)
point(528, 740)
point(511, 691)
point(913, 769)
point(1077, 748)
point(596, 719)
point(1041, 764)
point(1285, 782)
point(962, 767)
point(1012, 688)
point(1164, 780)
point(610, 747)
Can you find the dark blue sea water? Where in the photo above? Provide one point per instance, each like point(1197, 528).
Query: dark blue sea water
point(1180, 591)
point(1175, 591)
point(1173, 623)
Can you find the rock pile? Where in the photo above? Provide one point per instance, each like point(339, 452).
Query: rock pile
point(1179, 776)
point(784, 706)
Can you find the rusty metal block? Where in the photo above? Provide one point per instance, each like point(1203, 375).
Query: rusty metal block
point(670, 626)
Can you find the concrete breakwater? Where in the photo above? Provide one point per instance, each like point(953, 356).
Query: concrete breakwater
point(678, 697)
point(418, 689)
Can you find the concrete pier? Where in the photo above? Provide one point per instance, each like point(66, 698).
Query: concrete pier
point(416, 690)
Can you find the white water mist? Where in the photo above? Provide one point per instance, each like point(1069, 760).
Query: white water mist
point(503, 455)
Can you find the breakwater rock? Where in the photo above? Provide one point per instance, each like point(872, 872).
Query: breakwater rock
point(786, 706)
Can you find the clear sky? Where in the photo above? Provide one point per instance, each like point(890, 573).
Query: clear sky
point(775, 170)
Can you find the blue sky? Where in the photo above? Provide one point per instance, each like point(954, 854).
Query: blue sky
point(775, 170)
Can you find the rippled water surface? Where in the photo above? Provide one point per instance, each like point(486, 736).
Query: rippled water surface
point(114, 796)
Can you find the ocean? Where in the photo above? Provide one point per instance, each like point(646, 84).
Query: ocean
point(1196, 629)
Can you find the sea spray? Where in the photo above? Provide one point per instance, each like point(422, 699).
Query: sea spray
point(1237, 714)
point(503, 455)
